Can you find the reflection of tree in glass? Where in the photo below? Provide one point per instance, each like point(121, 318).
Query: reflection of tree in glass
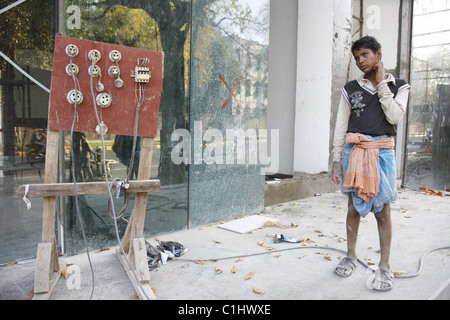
point(164, 26)
point(26, 37)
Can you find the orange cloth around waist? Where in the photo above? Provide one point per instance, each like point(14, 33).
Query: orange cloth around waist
point(362, 172)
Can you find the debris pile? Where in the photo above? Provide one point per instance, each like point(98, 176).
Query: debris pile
point(435, 192)
point(164, 251)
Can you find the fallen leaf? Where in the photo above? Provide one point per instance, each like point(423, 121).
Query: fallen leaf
point(218, 270)
point(102, 249)
point(201, 261)
point(258, 291)
point(261, 243)
point(134, 297)
point(11, 264)
point(277, 256)
point(240, 259)
point(185, 265)
point(294, 225)
point(215, 241)
point(249, 275)
point(234, 269)
point(307, 240)
point(328, 257)
point(65, 273)
point(397, 273)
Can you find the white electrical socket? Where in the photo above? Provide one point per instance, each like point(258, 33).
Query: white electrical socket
point(74, 71)
point(100, 87)
point(94, 71)
point(118, 83)
point(72, 50)
point(94, 54)
point(103, 127)
point(104, 100)
point(75, 96)
point(114, 71)
point(115, 56)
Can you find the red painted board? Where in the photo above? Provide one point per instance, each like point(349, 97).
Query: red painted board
point(119, 117)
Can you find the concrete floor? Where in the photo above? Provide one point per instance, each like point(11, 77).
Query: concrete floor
point(281, 271)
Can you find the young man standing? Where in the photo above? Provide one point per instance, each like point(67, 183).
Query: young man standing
point(363, 152)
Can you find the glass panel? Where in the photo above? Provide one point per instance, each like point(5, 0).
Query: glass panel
point(228, 97)
point(24, 108)
point(428, 154)
point(153, 25)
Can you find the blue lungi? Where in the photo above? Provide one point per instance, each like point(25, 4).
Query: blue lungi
point(387, 190)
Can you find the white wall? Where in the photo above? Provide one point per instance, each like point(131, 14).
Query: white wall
point(282, 74)
point(314, 81)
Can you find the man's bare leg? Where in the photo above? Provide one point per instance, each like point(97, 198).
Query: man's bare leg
point(352, 224)
point(346, 266)
point(383, 281)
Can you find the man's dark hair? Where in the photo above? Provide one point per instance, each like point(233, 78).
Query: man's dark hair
point(366, 42)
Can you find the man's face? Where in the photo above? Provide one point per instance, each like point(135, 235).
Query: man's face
point(366, 59)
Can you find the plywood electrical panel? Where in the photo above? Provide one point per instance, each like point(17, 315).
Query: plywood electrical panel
point(113, 79)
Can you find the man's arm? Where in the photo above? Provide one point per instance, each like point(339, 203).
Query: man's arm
point(394, 108)
point(340, 129)
point(339, 138)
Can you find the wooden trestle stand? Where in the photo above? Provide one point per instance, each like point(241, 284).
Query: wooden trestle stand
point(119, 122)
point(47, 264)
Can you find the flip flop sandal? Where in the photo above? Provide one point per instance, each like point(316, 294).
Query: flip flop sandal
point(347, 265)
point(383, 280)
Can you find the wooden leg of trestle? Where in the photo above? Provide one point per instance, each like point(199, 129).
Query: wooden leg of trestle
point(133, 241)
point(47, 266)
point(135, 227)
point(47, 270)
point(138, 256)
point(143, 289)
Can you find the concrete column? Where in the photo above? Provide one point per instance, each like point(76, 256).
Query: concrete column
point(282, 74)
point(313, 86)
